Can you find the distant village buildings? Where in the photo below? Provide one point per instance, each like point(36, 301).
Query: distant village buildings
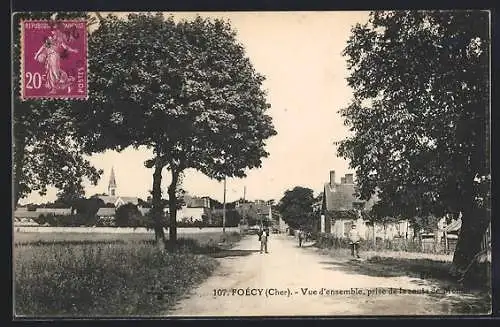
point(194, 209)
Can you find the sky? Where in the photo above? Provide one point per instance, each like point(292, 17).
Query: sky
point(299, 53)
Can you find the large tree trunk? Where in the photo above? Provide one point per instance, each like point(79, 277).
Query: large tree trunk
point(474, 225)
point(172, 203)
point(157, 209)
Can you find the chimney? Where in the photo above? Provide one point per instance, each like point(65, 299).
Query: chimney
point(342, 180)
point(349, 179)
point(332, 178)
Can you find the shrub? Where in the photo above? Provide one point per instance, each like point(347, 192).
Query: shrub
point(40, 219)
point(127, 215)
point(325, 240)
point(66, 220)
point(105, 222)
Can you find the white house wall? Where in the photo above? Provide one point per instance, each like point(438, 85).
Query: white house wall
point(366, 232)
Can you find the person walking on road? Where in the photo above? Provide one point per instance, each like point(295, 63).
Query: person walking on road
point(263, 241)
point(354, 240)
point(301, 237)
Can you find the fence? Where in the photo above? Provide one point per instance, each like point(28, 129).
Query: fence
point(425, 245)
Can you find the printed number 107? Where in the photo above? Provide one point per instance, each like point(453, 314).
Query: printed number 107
point(219, 292)
point(34, 81)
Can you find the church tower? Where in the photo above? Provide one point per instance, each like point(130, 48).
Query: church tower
point(112, 183)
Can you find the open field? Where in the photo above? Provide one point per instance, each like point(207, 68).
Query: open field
point(79, 238)
point(116, 230)
point(59, 274)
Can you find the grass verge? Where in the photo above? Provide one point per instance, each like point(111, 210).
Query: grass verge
point(74, 277)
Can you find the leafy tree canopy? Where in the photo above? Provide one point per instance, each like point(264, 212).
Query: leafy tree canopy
point(296, 207)
point(419, 116)
point(184, 89)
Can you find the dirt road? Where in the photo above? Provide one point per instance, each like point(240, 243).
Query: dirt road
point(299, 281)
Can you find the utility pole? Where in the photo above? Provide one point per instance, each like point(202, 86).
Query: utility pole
point(224, 209)
point(244, 206)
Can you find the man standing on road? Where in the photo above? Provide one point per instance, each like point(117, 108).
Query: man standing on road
point(301, 237)
point(263, 241)
point(354, 239)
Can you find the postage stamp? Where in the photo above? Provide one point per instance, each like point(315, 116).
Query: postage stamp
point(54, 59)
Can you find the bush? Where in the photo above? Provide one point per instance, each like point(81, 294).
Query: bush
point(325, 240)
point(66, 220)
point(40, 219)
point(105, 222)
point(128, 215)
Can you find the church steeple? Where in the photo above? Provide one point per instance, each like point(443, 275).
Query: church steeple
point(112, 183)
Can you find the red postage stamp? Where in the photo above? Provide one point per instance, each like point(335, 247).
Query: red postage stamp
point(54, 59)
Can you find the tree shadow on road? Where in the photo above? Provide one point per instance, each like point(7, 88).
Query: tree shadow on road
point(464, 300)
point(221, 253)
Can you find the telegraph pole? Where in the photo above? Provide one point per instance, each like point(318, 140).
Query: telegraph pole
point(244, 200)
point(224, 209)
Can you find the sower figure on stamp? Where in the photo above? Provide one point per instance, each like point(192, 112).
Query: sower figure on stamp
point(49, 54)
point(263, 241)
point(354, 239)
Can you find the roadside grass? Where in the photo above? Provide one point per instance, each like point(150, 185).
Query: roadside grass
point(107, 276)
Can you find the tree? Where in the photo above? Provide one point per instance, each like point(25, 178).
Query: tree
point(184, 90)
point(89, 206)
point(144, 204)
point(127, 215)
point(419, 117)
point(70, 194)
point(46, 151)
point(296, 207)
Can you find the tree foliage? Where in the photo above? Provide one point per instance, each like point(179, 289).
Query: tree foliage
point(70, 193)
point(419, 116)
point(296, 207)
point(89, 206)
point(127, 215)
point(183, 89)
point(46, 151)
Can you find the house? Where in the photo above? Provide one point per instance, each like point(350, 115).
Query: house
point(54, 211)
point(451, 232)
point(341, 208)
point(22, 212)
point(258, 210)
point(106, 213)
point(115, 199)
point(118, 201)
point(23, 217)
point(112, 196)
point(193, 209)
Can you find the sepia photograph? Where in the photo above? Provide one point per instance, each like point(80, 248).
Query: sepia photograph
point(251, 164)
